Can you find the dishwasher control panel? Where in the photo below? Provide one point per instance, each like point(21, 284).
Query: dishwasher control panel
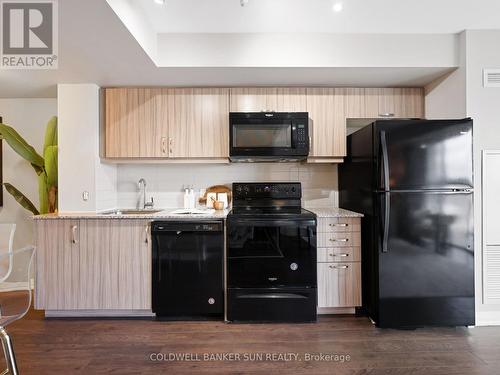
point(191, 226)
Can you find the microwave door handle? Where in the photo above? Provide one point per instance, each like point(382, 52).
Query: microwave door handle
point(293, 135)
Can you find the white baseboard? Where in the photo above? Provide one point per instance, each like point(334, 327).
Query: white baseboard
point(99, 313)
point(488, 318)
point(336, 310)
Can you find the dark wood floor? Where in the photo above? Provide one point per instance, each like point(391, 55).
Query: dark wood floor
point(124, 347)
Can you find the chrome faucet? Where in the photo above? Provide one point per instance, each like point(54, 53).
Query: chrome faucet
point(142, 186)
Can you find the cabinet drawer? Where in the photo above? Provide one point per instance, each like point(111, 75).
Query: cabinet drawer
point(339, 284)
point(339, 239)
point(339, 224)
point(339, 254)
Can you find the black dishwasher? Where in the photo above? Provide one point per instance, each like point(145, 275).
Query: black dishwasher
point(187, 274)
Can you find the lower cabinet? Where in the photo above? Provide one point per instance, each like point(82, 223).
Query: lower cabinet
point(339, 262)
point(93, 264)
point(339, 284)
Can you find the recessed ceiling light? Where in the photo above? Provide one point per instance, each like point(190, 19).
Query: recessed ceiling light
point(337, 7)
point(161, 2)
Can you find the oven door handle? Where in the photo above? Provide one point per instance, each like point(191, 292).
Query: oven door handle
point(272, 222)
point(272, 296)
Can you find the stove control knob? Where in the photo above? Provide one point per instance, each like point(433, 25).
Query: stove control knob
point(294, 266)
point(211, 301)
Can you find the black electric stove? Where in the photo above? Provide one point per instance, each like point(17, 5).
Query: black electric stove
point(271, 255)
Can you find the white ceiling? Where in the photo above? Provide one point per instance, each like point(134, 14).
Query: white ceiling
point(357, 16)
point(96, 47)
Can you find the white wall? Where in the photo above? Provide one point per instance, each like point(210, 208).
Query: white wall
point(307, 50)
point(29, 117)
point(446, 97)
point(80, 169)
point(462, 94)
point(165, 182)
point(483, 105)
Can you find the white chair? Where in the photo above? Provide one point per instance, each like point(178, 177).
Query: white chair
point(15, 289)
point(7, 232)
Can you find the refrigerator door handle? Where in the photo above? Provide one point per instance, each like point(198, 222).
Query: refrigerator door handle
point(385, 160)
point(385, 228)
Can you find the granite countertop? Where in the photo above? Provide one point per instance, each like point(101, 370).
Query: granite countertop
point(333, 212)
point(163, 214)
point(167, 214)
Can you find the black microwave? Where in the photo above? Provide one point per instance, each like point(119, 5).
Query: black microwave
point(268, 136)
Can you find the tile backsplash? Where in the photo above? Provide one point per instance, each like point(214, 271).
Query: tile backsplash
point(165, 182)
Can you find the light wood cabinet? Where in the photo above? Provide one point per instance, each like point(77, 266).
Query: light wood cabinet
point(57, 262)
point(268, 99)
point(198, 122)
point(339, 284)
point(132, 124)
point(355, 100)
point(166, 123)
point(327, 123)
point(339, 262)
point(93, 264)
point(384, 102)
point(394, 102)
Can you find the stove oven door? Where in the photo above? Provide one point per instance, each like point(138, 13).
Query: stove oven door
point(271, 253)
point(271, 270)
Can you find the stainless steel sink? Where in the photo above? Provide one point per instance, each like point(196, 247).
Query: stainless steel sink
point(131, 212)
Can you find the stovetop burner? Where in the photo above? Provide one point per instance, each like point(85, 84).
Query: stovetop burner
point(266, 200)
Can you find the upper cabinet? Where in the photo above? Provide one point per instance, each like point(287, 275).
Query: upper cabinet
point(198, 121)
point(166, 123)
point(132, 126)
point(193, 123)
point(394, 102)
point(268, 99)
point(327, 123)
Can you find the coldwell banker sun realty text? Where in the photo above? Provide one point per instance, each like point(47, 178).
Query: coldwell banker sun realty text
point(29, 38)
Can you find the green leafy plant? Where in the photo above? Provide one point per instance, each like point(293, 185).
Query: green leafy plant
point(45, 167)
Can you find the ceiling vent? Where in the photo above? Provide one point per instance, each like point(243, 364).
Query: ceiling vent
point(491, 77)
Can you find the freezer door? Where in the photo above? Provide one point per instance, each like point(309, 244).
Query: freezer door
point(426, 259)
point(422, 154)
point(356, 174)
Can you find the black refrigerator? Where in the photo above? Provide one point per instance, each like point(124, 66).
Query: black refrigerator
point(413, 181)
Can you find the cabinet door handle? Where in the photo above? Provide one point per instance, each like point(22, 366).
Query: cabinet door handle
point(339, 239)
point(339, 267)
point(339, 225)
point(339, 255)
point(170, 146)
point(146, 233)
point(163, 145)
point(73, 234)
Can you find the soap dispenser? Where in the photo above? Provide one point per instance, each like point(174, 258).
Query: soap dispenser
point(187, 202)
